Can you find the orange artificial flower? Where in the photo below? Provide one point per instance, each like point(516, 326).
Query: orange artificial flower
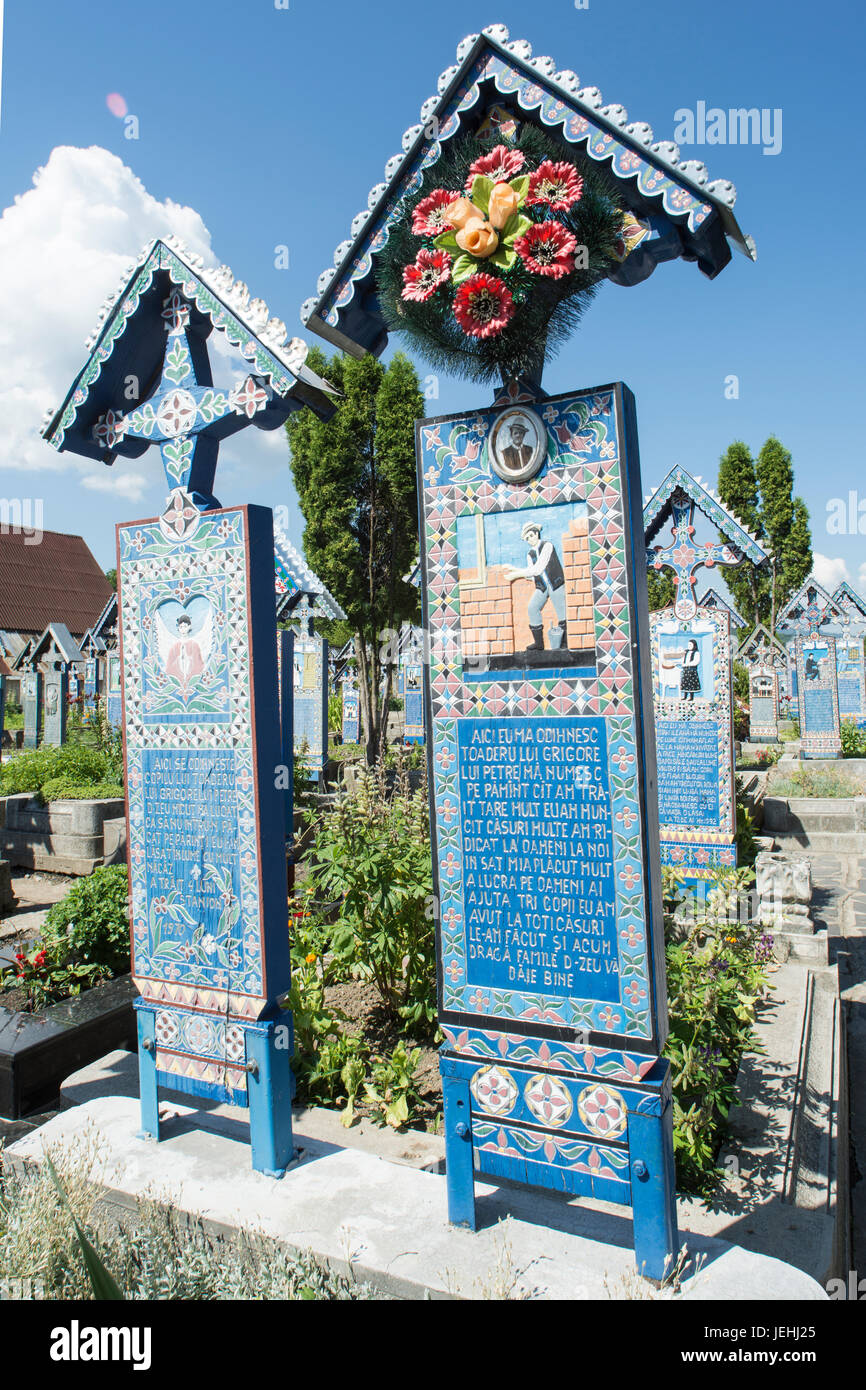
point(478, 238)
point(503, 205)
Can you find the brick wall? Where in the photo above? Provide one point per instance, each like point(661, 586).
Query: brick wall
point(494, 619)
point(580, 625)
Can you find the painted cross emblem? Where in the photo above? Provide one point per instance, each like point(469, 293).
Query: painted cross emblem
point(186, 416)
point(685, 557)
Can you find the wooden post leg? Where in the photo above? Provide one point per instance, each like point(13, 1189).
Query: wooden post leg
point(653, 1192)
point(269, 1088)
point(147, 1086)
point(460, 1177)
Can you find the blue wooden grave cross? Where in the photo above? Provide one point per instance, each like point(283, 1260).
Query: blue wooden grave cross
point(187, 417)
point(685, 556)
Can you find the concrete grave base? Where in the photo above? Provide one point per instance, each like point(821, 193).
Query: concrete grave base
point(386, 1221)
point(64, 837)
point(7, 897)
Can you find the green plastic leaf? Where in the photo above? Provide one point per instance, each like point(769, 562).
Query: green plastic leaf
point(462, 268)
point(482, 187)
point(446, 241)
point(521, 186)
point(517, 225)
point(503, 257)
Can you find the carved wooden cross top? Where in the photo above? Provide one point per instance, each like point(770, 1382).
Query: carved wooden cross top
point(186, 415)
point(685, 557)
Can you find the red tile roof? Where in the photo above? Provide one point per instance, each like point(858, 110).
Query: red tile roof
point(56, 581)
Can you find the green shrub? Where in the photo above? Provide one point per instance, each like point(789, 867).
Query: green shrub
point(66, 789)
point(370, 862)
point(853, 740)
point(335, 713)
point(716, 969)
point(91, 924)
point(74, 764)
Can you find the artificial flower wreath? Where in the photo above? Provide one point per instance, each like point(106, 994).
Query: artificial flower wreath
point(492, 261)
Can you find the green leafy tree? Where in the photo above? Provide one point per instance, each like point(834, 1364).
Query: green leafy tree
point(761, 493)
point(661, 589)
point(111, 576)
point(355, 478)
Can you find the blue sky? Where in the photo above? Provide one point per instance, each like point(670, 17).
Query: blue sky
point(272, 124)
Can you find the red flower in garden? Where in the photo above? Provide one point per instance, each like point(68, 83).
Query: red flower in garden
point(500, 166)
point(428, 218)
point(421, 280)
point(483, 305)
point(546, 249)
point(556, 186)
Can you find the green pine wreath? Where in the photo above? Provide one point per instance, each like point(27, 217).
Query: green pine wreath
point(486, 314)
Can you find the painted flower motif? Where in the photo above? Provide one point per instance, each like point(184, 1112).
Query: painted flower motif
point(483, 306)
point(428, 218)
point(629, 878)
point(422, 280)
point(608, 1018)
point(500, 166)
point(478, 1000)
point(547, 249)
point(454, 971)
point(631, 936)
point(556, 186)
point(208, 944)
point(627, 816)
point(622, 759)
point(634, 994)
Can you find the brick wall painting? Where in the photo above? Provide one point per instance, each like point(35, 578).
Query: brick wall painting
point(504, 618)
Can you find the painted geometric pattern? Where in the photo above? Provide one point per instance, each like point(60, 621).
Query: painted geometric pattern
point(517, 1049)
point(718, 515)
point(194, 290)
point(582, 465)
point(218, 968)
point(555, 1102)
point(577, 128)
point(603, 1111)
point(703, 850)
point(543, 1151)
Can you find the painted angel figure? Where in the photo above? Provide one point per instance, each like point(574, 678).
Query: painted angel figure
point(181, 655)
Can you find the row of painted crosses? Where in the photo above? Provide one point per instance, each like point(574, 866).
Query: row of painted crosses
point(185, 405)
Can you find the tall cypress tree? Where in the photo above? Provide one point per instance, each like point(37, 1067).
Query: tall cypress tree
point(786, 525)
point(761, 493)
point(738, 489)
point(355, 479)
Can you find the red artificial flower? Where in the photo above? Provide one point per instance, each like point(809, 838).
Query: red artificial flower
point(428, 218)
point(483, 305)
point(421, 280)
point(39, 959)
point(500, 166)
point(546, 249)
point(556, 186)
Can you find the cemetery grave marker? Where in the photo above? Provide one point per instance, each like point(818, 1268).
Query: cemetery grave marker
point(767, 660)
point(56, 652)
point(850, 671)
point(693, 663)
point(5, 673)
point(198, 651)
point(712, 599)
point(807, 614)
point(301, 598)
point(412, 684)
point(31, 695)
point(351, 729)
point(539, 729)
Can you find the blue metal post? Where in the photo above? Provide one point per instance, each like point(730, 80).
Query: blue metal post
point(269, 1088)
point(653, 1191)
point(148, 1089)
point(459, 1172)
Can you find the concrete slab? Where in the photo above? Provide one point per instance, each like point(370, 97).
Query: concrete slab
point(387, 1222)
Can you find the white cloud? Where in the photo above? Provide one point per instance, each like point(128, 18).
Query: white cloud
point(118, 482)
point(829, 570)
point(861, 576)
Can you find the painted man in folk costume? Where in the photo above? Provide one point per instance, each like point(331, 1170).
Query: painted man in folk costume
point(545, 568)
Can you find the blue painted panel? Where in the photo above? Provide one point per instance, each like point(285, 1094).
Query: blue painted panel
point(538, 856)
point(688, 771)
point(311, 701)
point(818, 711)
point(351, 715)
